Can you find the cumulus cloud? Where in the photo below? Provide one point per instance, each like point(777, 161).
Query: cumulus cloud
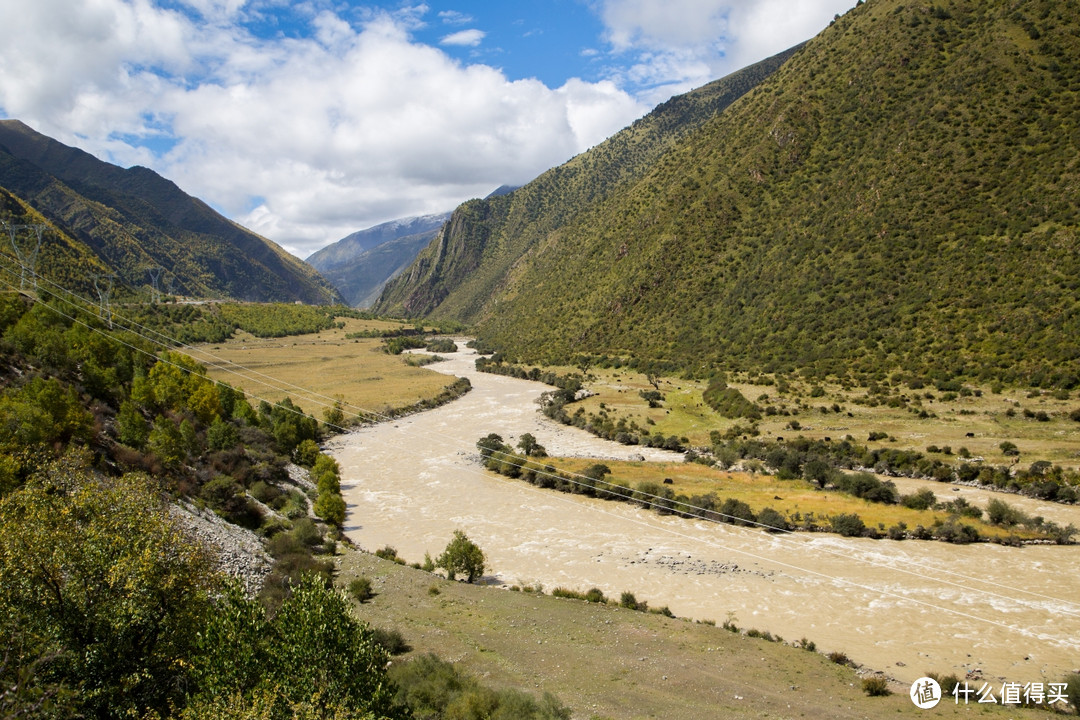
point(303, 140)
point(343, 119)
point(466, 38)
point(675, 45)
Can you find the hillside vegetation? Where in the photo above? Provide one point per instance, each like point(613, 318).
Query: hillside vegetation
point(899, 195)
point(474, 254)
point(101, 218)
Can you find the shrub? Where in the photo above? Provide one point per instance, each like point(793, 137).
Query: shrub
point(1072, 691)
point(840, 658)
point(922, 500)
point(948, 683)
point(848, 525)
point(392, 641)
point(772, 520)
point(389, 552)
point(999, 512)
point(876, 687)
point(360, 589)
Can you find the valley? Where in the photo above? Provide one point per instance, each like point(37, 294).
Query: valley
point(902, 607)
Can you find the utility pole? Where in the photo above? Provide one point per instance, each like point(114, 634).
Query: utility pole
point(26, 256)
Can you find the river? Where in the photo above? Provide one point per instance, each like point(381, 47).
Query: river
point(904, 607)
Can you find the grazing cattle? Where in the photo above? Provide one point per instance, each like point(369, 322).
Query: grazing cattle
point(969, 435)
point(668, 481)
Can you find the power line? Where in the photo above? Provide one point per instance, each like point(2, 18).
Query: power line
point(645, 499)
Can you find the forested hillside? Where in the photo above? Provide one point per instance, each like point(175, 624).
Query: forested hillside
point(131, 220)
point(900, 195)
point(477, 251)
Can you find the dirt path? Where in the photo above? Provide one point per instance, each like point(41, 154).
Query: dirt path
point(903, 607)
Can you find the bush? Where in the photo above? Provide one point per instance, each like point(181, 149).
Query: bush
point(999, 512)
point(433, 688)
point(848, 525)
point(392, 641)
point(876, 687)
point(840, 658)
point(948, 683)
point(595, 595)
point(1072, 691)
point(772, 520)
point(922, 500)
point(360, 588)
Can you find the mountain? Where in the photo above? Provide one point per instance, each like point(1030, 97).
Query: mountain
point(899, 197)
point(463, 271)
point(133, 219)
point(360, 264)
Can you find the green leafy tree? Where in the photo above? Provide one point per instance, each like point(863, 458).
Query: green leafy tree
point(331, 507)
point(167, 442)
point(311, 652)
point(131, 427)
point(105, 590)
point(222, 435)
point(462, 556)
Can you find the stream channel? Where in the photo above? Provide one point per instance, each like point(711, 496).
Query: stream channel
point(904, 607)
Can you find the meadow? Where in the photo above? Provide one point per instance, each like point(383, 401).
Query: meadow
point(316, 370)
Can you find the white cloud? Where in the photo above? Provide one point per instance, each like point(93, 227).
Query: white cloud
point(302, 140)
point(453, 17)
point(674, 45)
point(465, 38)
point(349, 120)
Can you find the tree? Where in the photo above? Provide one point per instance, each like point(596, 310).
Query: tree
point(530, 447)
point(462, 556)
point(583, 363)
point(330, 506)
point(312, 651)
point(105, 590)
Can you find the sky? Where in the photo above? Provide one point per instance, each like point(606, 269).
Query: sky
point(306, 121)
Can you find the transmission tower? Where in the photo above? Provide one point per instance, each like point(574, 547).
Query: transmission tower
point(103, 283)
point(26, 256)
point(155, 283)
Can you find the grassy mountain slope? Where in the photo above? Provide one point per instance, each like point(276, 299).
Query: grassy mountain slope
point(475, 253)
point(131, 219)
point(900, 195)
point(360, 264)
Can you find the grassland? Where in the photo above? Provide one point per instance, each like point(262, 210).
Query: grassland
point(608, 662)
point(990, 417)
point(792, 498)
point(318, 369)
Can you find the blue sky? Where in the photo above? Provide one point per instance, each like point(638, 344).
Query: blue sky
point(306, 121)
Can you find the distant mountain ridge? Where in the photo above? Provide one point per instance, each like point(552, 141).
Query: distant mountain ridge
point(898, 198)
point(132, 219)
point(360, 264)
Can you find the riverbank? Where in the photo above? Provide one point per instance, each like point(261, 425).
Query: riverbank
point(905, 608)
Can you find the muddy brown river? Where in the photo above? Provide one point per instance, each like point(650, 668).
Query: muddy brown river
point(903, 607)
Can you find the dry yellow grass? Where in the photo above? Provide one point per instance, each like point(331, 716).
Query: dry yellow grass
point(985, 417)
point(314, 370)
point(786, 496)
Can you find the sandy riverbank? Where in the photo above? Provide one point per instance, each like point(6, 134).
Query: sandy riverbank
point(904, 607)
